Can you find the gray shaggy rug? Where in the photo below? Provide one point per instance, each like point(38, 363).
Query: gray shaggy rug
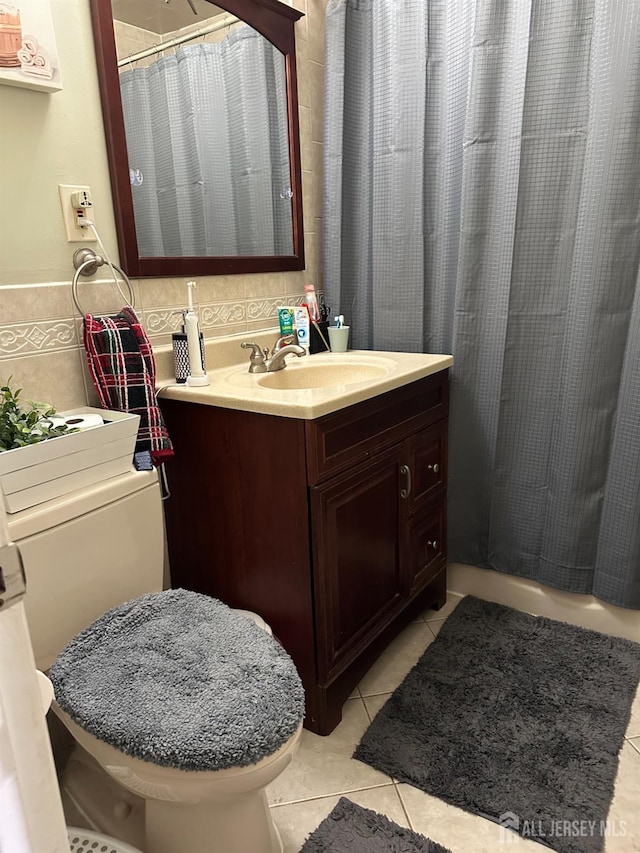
point(355, 829)
point(516, 718)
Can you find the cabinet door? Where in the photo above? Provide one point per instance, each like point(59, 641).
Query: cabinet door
point(356, 536)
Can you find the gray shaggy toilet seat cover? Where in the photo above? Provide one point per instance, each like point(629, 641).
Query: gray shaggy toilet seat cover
point(177, 678)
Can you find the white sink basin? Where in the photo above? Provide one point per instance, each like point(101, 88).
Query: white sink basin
point(314, 372)
point(296, 377)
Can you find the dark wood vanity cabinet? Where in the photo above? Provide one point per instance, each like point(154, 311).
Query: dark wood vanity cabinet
point(333, 530)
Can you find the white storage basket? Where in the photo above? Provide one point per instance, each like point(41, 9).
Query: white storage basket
point(39, 472)
point(84, 841)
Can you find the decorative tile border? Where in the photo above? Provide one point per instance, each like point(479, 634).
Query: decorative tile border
point(221, 314)
point(43, 336)
point(158, 321)
point(37, 337)
point(267, 309)
point(264, 309)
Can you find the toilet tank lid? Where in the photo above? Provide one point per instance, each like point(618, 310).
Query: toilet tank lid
point(179, 679)
point(57, 511)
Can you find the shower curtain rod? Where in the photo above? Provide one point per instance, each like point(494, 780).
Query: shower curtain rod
point(226, 21)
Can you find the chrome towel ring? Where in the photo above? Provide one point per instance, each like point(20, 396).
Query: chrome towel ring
point(86, 262)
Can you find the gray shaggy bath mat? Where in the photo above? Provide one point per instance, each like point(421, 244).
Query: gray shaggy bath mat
point(181, 680)
point(516, 718)
point(353, 829)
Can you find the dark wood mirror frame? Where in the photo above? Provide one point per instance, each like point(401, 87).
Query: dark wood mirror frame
point(274, 21)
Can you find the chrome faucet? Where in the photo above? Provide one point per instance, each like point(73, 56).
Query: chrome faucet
point(282, 341)
point(277, 362)
point(259, 361)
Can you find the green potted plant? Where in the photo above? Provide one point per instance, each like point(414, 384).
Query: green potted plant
point(22, 425)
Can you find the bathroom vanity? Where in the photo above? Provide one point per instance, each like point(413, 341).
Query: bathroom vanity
point(325, 515)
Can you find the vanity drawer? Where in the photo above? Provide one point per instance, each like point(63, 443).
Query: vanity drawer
point(349, 436)
point(427, 546)
point(426, 460)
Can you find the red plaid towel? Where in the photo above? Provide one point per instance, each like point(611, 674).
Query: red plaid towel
point(123, 370)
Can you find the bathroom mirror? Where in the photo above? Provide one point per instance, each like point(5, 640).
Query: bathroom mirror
point(202, 135)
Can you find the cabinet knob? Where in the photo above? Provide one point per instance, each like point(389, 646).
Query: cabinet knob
point(435, 467)
point(432, 543)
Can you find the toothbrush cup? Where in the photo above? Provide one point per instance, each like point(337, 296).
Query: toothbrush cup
point(339, 338)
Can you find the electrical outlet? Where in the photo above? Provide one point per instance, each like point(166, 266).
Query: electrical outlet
point(76, 203)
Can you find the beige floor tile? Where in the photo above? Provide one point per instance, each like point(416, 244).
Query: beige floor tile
point(374, 703)
point(635, 742)
point(453, 600)
point(295, 822)
point(396, 660)
point(633, 729)
point(623, 820)
point(435, 625)
point(459, 830)
point(323, 765)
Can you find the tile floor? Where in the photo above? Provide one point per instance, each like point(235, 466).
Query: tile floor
point(323, 770)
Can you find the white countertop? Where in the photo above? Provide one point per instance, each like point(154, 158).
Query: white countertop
point(233, 387)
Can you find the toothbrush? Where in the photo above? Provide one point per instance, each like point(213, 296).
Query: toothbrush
point(324, 340)
point(197, 375)
point(339, 321)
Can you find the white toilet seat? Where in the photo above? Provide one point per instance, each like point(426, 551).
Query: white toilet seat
point(249, 614)
point(46, 690)
point(150, 780)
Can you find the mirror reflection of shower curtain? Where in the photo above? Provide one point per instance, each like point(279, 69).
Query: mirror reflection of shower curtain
point(207, 128)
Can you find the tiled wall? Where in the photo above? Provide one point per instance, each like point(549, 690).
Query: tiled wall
point(40, 328)
point(131, 40)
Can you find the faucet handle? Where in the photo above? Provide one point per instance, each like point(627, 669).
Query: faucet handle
point(282, 341)
point(257, 352)
point(257, 359)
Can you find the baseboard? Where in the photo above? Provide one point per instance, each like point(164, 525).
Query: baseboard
point(531, 597)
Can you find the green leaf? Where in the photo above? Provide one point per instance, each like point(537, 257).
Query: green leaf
point(22, 425)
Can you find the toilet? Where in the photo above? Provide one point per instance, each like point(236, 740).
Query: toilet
point(94, 563)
